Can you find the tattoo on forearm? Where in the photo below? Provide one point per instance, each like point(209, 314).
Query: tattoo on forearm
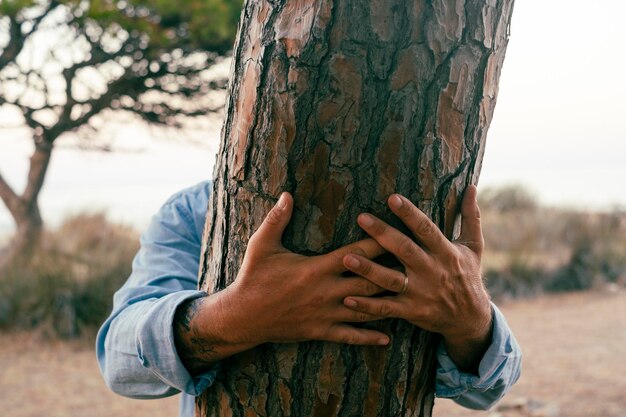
point(193, 350)
point(187, 312)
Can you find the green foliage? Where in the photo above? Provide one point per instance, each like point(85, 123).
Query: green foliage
point(13, 7)
point(199, 24)
point(67, 287)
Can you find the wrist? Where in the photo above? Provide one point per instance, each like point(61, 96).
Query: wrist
point(227, 320)
point(203, 332)
point(477, 330)
point(466, 349)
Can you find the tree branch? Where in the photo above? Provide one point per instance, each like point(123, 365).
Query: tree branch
point(39, 162)
point(17, 39)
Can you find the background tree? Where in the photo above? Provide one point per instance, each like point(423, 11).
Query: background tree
point(64, 62)
point(343, 103)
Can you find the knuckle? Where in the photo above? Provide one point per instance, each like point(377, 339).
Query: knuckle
point(424, 227)
point(357, 250)
point(317, 301)
point(336, 257)
point(407, 248)
point(366, 268)
point(361, 317)
point(273, 217)
point(316, 333)
point(379, 227)
point(350, 339)
point(308, 275)
point(426, 314)
point(384, 310)
point(371, 288)
point(407, 211)
point(396, 284)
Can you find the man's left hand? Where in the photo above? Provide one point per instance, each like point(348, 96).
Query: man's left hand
point(441, 289)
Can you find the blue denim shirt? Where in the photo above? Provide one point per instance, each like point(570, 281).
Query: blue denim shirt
point(135, 345)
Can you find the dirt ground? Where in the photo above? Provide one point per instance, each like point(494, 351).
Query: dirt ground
point(574, 362)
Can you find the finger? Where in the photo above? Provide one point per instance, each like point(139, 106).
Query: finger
point(269, 234)
point(422, 227)
point(471, 229)
point(384, 277)
point(390, 238)
point(367, 248)
point(357, 286)
point(346, 334)
point(381, 307)
point(347, 315)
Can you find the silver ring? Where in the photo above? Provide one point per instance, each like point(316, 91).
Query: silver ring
point(406, 284)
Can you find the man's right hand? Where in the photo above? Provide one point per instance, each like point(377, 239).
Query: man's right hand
point(280, 297)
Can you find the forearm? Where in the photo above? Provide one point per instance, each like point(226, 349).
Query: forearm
point(136, 350)
point(203, 333)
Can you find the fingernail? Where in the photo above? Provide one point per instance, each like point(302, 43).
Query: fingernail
point(282, 202)
point(366, 220)
point(395, 201)
point(352, 262)
point(350, 302)
point(383, 341)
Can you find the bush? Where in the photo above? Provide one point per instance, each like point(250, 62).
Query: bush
point(531, 249)
point(66, 287)
point(509, 198)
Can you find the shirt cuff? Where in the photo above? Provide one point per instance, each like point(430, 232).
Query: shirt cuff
point(451, 382)
point(156, 348)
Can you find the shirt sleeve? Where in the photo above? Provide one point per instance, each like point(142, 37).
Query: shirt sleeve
point(498, 370)
point(135, 346)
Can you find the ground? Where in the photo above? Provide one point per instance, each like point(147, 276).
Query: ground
point(574, 348)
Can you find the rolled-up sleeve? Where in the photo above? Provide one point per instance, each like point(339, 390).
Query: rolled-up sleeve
point(135, 346)
point(498, 370)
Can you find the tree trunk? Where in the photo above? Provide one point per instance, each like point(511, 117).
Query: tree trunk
point(24, 208)
point(342, 103)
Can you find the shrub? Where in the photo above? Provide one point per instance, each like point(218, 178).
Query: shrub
point(508, 198)
point(66, 287)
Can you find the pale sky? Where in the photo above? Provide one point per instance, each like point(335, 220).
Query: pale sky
point(559, 127)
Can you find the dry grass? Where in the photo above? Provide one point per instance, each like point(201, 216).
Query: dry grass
point(574, 348)
point(44, 377)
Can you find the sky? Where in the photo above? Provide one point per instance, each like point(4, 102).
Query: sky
point(559, 128)
point(559, 125)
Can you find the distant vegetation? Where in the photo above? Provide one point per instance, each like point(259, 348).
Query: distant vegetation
point(66, 289)
point(531, 249)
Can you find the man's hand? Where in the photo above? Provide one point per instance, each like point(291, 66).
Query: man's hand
point(278, 296)
point(442, 290)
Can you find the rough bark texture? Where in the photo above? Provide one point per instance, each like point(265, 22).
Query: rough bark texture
point(342, 103)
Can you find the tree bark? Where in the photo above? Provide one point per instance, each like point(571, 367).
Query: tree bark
point(343, 102)
point(24, 208)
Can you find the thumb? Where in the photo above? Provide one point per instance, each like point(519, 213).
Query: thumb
point(471, 229)
point(270, 233)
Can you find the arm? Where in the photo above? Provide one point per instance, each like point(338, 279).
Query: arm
point(165, 336)
point(135, 345)
point(442, 291)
